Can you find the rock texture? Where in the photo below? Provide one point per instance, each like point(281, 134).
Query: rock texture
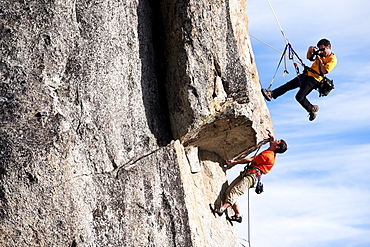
point(116, 118)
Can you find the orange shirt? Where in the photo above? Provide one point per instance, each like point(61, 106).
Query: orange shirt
point(263, 161)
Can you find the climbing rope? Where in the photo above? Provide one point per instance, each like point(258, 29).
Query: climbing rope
point(288, 48)
point(274, 48)
point(277, 20)
point(249, 219)
point(249, 226)
point(266, 43)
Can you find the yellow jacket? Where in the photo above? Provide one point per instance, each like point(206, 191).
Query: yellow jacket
point(330, 62)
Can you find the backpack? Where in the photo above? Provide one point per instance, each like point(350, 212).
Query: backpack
point(325, 86)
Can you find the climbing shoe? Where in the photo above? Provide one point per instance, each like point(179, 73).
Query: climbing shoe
point(312, 114)
point(218, 211)
point(236, 218)
point(215, 210)
point(267, 94)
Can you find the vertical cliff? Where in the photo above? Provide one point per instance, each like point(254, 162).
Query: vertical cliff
point(116, 118)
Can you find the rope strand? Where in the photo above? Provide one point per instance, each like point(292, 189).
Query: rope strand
point(265, 43)
point(249, 227)
point(272, 47)
point(281, 29)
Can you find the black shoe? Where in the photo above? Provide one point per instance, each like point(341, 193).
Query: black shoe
point(267, 94)
point(236, 218)
point(216, 210)
point(312, 114)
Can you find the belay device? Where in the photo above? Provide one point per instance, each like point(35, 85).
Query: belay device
point(259, 186)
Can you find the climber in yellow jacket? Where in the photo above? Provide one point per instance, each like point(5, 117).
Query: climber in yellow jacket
point(260, 164)
point(324, 62)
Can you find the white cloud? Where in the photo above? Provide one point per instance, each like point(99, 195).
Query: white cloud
point(306, 215)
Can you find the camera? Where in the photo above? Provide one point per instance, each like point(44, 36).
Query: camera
point(319, 52)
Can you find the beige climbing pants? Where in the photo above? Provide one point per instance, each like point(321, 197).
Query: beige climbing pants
point(239, 186)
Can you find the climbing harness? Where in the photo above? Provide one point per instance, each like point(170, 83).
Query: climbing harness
point(325, 86)
point(259, 185)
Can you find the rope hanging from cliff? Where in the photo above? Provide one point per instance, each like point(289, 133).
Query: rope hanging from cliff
point(288, 48)
point(277, 20)
point(249, 217)
point(249, 226)
point(285, 49)
point(249, 220)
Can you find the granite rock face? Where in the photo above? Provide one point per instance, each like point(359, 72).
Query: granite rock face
point(116, 118)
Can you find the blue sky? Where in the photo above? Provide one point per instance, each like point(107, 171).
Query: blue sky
point(318, 193)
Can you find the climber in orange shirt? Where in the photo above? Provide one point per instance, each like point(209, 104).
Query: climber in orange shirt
point(260, 164)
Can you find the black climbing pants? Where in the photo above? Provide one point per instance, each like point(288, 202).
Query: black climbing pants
point(305, 83)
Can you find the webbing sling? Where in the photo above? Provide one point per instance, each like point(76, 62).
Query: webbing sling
point(285, 70)
point(291, 54)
